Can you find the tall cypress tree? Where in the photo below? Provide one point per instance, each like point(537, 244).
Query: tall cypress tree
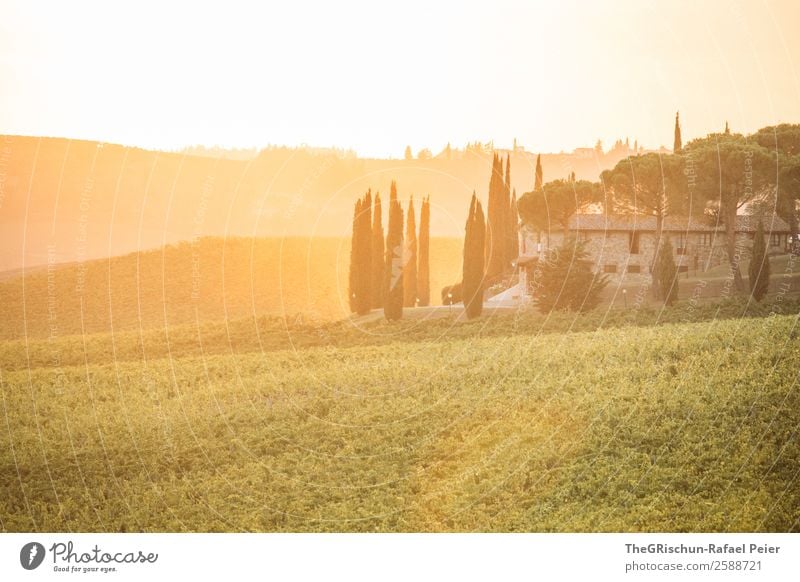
point(474, 266)
point(410, 267)
point(364, 256)
point(513, 227)
point(378, 259)
point(353, 280)
point(423, 259)
point(665, 273)
point(677, 145)
point(759, 269)
point(393, 269)
point(537, 178)
point(496, 244)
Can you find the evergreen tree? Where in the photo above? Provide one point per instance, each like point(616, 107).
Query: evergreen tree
point(537, 179)
point(665, 273)
point(565, 280)
point(509, 223)
point(513, 227)
point(353, 281)
point(759, 268)
point(410, 266)
point(377, 250)
point(393, 270)
point(423, 258)
point(677, 145)
point(364, 256)
point(408, 155)
point(727, 129)
point(495, 237)
point(473, 265)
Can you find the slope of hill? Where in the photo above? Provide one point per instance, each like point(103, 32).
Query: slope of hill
point(71, 200)
point(210, 279)
point(687, 427)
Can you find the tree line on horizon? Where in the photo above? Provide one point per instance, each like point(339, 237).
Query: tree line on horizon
point(392, 272)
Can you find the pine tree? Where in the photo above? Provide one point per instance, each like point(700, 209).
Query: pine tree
point(759, 269)
point(665, 273)
point(353, 281)
point(727, 129)
point(537, 179)
point(473, 265)
point(677, 145)
point(423, 258)
point(378, 260)
point(393, 270)
point(410, 267)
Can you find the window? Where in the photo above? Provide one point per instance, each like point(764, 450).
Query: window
point(609, 268)
point(681, 248)
point(706, 238)
point(775, 240)
point(583, 235)
point(683, 268)
point(633, 240)
point(634, 269)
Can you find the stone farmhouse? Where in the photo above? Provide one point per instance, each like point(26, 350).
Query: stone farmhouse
point(623, 246)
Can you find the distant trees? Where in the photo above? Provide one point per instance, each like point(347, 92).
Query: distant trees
point(473, 270)
point(665, 273)
point(565, 280)
point(410, 259)
point(393, 272)
point(759, 269)
point(423, 254)
point(408, 154)
point(537, 176)
point(360, 276)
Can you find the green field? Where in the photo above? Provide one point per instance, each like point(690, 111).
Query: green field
point(678, 420)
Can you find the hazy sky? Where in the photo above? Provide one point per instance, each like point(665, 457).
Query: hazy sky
point(375, 76)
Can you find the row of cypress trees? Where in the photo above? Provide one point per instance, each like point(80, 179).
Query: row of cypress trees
point(501, 246)
point(473, 271)
point(394, 273)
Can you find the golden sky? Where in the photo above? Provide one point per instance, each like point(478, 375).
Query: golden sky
point(375, 76)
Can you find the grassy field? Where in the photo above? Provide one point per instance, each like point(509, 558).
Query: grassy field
point(647, 420)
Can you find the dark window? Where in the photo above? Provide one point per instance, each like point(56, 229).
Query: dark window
point(683, 268)
point(681, 248)
point(609, 268)
point(583, 235)
point(633, 239)
point(706, 238)
point(775, 240)
point(634, 269)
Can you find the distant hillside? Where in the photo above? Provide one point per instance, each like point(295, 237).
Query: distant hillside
point(68, 200)
point(212, 280)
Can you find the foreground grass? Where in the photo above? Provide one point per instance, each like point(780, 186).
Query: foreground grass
point(676, 427)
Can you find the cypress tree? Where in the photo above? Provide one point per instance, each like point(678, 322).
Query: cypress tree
point(665, 273)
point(677, 145)
point(364, 257)
point(513, 228)
point(353, 281)
point(423, 259)
point(537, 179)
point(473, 266)
point(496, 220)
point(377, 250)
point(410, 267)
point(759, 268)
point(393, 270)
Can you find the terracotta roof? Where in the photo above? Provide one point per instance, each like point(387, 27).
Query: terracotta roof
point(602, 222)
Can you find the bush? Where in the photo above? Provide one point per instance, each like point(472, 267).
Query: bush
point(455, 291)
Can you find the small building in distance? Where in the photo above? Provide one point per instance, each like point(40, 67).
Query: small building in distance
point(623, 246)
